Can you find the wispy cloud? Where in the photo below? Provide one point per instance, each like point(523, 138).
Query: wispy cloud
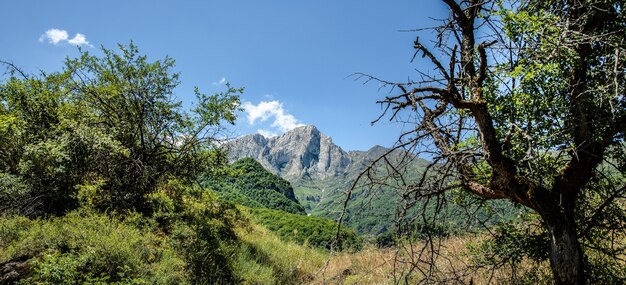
point(266, 110)
point(57, 36)
point(221, 82)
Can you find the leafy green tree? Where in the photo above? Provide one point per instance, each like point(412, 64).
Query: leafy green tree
point(106, 130)
point(525, 103)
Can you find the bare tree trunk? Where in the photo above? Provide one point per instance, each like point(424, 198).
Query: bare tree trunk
point(566, 255)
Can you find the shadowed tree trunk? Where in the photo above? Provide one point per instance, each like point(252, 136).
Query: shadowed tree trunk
point(566, 255)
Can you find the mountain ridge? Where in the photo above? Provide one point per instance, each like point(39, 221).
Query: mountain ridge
point(300, 152)
point(321, 172)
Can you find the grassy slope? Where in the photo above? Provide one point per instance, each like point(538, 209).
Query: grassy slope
point(101, 249)
point(309, 230)
point(87, 247)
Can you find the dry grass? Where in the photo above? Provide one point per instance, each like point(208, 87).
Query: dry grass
point(368, 266)
point(388, 266)
point(270, 260)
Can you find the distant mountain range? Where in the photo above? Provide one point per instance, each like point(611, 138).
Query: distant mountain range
point(321, 172)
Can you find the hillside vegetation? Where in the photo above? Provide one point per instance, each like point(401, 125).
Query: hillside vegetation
point(272, 203)
point(98, 171)
point(106, 177)
point(247, 183)
point(308, 230)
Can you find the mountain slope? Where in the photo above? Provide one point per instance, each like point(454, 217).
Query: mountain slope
point(321, 172)
point(273, 204)
point(249, 184)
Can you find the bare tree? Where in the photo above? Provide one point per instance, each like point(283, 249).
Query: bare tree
point(526, 103)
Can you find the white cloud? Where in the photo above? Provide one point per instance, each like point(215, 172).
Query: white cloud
point(56, 36)
point(270, 109)
point(266, 133)
point(79, 40)
point(221, 82)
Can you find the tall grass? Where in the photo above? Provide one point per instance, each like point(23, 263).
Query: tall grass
point(402, 265)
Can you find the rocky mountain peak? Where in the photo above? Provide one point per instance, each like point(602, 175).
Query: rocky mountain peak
point(306, 129)
point(299, 153)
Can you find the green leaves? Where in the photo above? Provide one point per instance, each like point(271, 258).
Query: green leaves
point(313, 231)
point(214, 109)
point(112, 120)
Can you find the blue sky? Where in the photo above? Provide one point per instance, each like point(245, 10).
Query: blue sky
point(293, 57)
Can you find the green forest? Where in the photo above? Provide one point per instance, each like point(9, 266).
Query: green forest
point(510, 167)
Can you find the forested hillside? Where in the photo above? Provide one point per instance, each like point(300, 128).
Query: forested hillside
point(248, 183)
point(274, 205)
point(301, 154)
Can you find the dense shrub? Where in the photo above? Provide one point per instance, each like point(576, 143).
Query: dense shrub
point(110, 125)
point(189, 239)
point(86, 247)
point(200, 227)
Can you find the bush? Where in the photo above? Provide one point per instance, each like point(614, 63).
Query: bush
point(189, 240)
point(200, 227)
point(109, 127)
point(85, 247)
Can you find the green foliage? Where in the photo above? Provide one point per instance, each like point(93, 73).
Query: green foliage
point(511, 243)
point(14, 194)
point(264, 258)
point(200, 228)
point(515, 241)
point(85, 247)
point(249, 184)
point(96, 163)
point(189, 240)
point(105, 152)
point(313, 231)
point(274, 205)
point(106, 127)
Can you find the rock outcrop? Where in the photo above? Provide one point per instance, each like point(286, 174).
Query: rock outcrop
point(303, 152)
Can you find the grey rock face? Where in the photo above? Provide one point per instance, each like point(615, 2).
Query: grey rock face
point(303, 152)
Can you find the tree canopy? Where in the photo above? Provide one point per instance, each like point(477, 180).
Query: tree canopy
point(106, 130)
